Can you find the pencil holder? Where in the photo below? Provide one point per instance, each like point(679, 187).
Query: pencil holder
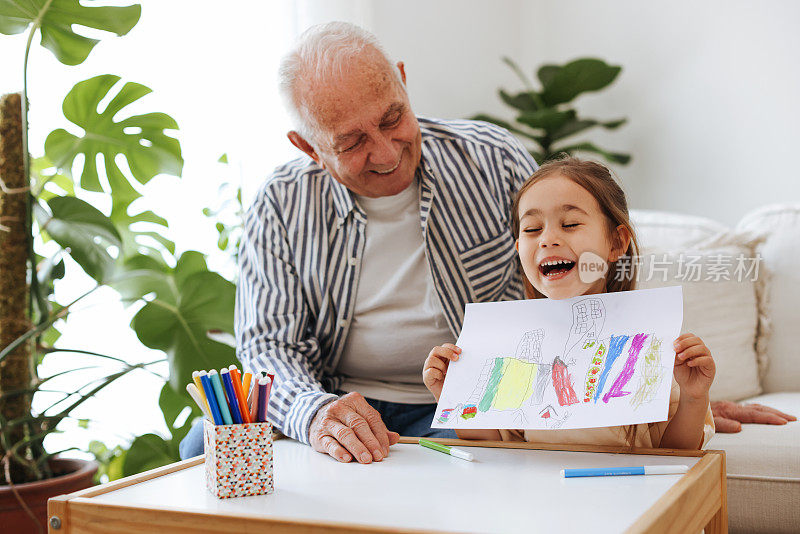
point(238, 459)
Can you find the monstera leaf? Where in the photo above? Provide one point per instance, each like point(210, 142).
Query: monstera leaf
point(140, 138)
point(56, 18)
point(178, 319)
point(83, 230)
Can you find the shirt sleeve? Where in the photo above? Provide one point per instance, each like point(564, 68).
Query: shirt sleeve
point(271, 322)
point(519, 162)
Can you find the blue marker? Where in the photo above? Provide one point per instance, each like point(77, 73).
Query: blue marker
point(617, 471)
point(233, 404)
point(222, 402)
point(211, 397)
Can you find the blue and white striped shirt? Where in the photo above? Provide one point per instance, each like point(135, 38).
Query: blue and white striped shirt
point(304, 235)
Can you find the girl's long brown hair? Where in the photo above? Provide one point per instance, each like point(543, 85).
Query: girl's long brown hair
point(598, 181)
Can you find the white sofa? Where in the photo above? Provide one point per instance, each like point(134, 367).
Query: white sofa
point(752, 327)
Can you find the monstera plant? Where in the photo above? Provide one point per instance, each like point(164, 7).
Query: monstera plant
point(45, 226)
point(544, 118)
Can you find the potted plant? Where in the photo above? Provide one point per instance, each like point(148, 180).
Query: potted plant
point(545, 121)
point(39, 201)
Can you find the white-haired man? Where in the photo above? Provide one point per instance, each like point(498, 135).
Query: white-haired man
point(360, 257)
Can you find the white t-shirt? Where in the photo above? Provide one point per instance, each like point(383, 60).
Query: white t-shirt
point(397, 318)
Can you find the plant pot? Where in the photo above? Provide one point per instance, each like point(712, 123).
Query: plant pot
point(72, 475)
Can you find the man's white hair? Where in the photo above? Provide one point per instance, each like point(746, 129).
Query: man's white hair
point(324, 51)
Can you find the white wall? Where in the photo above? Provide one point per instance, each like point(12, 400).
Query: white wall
point(710, 88)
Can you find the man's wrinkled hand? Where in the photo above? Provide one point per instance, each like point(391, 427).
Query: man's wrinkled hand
point(729, 416)
point(350, 428)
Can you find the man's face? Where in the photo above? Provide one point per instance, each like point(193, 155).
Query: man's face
point(367, 136)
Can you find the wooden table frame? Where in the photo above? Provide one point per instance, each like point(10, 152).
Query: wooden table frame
point(698, 501)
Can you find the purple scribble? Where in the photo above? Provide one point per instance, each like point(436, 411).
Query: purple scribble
point(627, 369)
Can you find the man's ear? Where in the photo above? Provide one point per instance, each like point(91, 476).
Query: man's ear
point(516, 245)
point(298, 141)
point(402, 68)
point(620, 240)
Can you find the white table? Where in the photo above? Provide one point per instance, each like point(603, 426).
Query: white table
point(417, 489)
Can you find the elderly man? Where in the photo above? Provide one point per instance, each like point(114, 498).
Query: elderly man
point(360, 257)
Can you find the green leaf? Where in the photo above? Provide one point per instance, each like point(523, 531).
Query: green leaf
point(572, 127)
point(546, 74)
point(147, 452)
point(55, 20)
point(83, 230)
point(525, 101)
point(147, 149)
point(613, 157)
point(132, 245)
point(172, 403)
point(190, 262)
point(223, 158)
point(577, 77)
point(548, 120)
point(50, 336)
point(142, 275)
point(83, 423)
point(205, 301)
point(613, 125)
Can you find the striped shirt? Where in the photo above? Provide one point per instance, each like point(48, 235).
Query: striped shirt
point(304, 235)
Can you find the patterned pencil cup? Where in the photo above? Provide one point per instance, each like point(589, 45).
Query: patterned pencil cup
point(238, 459)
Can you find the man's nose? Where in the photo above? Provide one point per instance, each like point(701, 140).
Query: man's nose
point(383, 152)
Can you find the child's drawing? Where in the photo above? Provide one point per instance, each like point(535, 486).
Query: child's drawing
point(600, 371)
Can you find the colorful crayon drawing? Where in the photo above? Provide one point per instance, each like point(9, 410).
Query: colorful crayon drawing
point(530, 383)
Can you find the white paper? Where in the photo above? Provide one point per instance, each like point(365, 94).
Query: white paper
point(589, 361)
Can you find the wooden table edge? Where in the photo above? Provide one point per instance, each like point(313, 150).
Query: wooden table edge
point(710, 462)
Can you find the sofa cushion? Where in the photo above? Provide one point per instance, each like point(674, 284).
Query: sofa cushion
point(763, 464)
point(672, 230)
point(719, 305)
point(779, 293)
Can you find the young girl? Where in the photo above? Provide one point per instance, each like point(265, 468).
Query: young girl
point(569, 207)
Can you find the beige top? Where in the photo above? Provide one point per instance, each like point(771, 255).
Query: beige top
point(648, 435)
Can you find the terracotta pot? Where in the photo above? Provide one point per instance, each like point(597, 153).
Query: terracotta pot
point(73, 475)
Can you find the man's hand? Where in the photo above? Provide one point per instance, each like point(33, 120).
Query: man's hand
point(729, 416)
point(350, 428)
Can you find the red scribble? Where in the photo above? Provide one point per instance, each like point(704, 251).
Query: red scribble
point(562, 382)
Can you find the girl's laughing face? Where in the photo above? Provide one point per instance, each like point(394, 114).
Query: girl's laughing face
point(560, 221)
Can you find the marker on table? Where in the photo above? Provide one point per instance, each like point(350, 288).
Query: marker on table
point(219, 394)
point(241, 397)
point(618, 471)
point(211, 398)
point(233, 404)
point(252, 401)
point(195, 394)
point(452, 451)
point(196, 379)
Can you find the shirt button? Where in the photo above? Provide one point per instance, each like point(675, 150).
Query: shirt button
point(342, 323)
point(352, 261)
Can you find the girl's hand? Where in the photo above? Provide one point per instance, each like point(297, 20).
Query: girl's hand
point(694, 367)
point(436, 367)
